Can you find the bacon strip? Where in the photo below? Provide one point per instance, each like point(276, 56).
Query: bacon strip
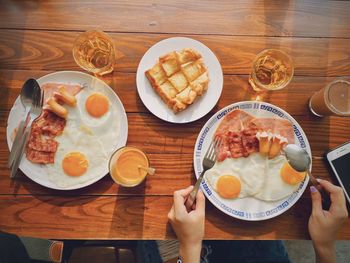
point(42, 144)
point(41, 147)
point(40, 157)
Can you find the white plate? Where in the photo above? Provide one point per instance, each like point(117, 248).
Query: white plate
point(37, 172)
point(249, 208)
point(203, 104)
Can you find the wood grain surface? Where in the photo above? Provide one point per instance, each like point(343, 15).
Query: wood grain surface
point(132, 217)
point(20, 49)
point(316, 18)
point(37, 38)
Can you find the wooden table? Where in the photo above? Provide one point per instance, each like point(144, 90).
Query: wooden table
point(36, 39)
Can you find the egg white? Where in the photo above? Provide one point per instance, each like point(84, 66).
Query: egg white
point(75, 140)
point(274, 187)
point(259, 176)
point(250, 171)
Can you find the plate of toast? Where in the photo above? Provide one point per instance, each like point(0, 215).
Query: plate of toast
point(179, 80)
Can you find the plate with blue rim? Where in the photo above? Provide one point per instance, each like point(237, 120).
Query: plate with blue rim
point(248, 208)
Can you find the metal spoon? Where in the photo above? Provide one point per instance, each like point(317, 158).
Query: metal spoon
point(26, 97)
point(300, 161)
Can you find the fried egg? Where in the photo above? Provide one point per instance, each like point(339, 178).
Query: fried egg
point(275, 187)
point(78, 158)
point(88, 139)
point(106, 128)
point(237, 177)
point(291, 176)
point(254, 176)
point(94, 108)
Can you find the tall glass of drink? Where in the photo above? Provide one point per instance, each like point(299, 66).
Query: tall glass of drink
point(334, 99)
point(94, 52)
point(272, 70)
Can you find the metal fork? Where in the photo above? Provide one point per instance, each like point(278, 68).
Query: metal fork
point(34, 113)
point(209, 160)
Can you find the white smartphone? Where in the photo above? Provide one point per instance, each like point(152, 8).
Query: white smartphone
point(339, 160)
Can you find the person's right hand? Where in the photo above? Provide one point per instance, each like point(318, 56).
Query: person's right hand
point(324, 225)
point(188, 226)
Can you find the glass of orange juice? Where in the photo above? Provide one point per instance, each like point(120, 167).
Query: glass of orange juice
point(129, 166)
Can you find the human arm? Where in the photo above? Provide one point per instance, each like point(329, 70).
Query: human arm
point(188, 226)
point(324, 225)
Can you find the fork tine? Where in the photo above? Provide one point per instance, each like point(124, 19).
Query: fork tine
point(216, 144)
point(217, 148)
point(211, 146)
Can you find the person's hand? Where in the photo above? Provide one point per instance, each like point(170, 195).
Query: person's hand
point(188, 226)
point(324, 225)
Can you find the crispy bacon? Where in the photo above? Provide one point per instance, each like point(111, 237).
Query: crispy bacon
point(41, 147)
point(40, 157)
point(41, 143)
point(50, 123)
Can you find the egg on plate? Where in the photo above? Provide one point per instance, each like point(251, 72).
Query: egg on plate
point(88, 139)
point(237, 177)
point(78, 158)
point(254, 176)
point(275, 187)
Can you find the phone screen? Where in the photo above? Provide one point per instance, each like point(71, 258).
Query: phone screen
point(342, 166)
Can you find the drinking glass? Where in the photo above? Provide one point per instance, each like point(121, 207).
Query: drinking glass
point(334, 99)
point(129, 166)
point(94, 52)
point(272, 70)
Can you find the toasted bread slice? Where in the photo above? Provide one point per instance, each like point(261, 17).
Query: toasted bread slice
point(169, 63)
point(187, 96)
point(176, 105)
point(156, 75)
point(179, 81)
point(179, 78)
point(187, 55)
point(193, 70)
point(200, 84)
point(166, 91)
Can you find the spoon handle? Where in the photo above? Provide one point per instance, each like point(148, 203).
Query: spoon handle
point(326, 201)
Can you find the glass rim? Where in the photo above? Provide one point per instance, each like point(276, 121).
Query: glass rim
point(87, 32)
point(326, 95)
point(272, 50)
point(119, 150)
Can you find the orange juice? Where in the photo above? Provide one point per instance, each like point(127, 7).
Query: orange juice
point(128, 166)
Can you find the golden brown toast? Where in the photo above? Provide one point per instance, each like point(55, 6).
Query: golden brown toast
point(179, 77)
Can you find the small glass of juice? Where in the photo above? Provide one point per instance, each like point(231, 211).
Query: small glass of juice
point(129, 166)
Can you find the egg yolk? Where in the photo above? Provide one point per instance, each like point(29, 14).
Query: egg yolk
point(291, 176)
point(97, 105)
point(228, 186)
point(75, 164)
